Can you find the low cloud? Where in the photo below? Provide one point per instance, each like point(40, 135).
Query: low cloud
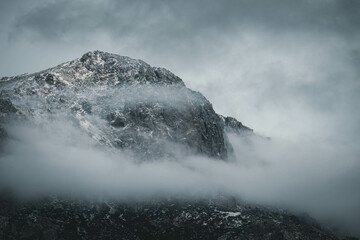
point(320, 178)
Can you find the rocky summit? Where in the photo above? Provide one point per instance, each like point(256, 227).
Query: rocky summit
point(124, 103)
point(129, 106)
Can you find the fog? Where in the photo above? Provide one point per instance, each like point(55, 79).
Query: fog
point(303, 176)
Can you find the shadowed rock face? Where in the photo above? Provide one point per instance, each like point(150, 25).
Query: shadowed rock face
point(122, 102)
point(8, 113)
point(234, 126)
point(6, 106)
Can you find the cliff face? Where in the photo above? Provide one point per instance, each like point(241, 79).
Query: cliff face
point(123, 103)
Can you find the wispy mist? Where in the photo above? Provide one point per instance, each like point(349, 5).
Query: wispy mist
point(318, 178)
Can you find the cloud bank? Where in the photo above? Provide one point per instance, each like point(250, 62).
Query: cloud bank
point(318, 178)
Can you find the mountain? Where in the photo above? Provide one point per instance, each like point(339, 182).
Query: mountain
point(128, 106)
point(123, 103)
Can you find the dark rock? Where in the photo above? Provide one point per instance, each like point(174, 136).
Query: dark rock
point(86, 107)
point(167, 219)
point(233, 125)
point(116, 120)
point(6, 106)
point(8, 113)
point(50, 79)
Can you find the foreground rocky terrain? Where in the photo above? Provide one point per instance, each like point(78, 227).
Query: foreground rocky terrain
point(128, 106)
point(220, 218)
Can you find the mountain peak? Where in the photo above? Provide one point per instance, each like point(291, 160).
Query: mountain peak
point(141, 108)
point(124, 69)
point(101, 56)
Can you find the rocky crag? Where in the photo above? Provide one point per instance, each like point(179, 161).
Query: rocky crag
point(124, 103)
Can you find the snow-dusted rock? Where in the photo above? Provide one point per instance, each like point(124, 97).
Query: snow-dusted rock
point(123, 103)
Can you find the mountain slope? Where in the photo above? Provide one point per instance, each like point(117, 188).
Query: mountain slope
point(220, 218)
point(124, 103)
